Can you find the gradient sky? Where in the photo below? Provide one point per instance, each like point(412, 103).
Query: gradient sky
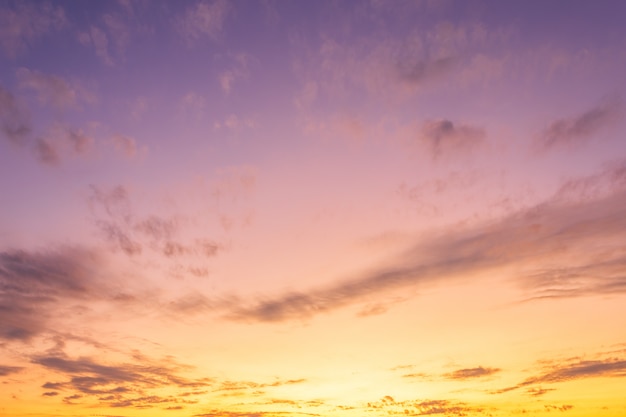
point(327, 208)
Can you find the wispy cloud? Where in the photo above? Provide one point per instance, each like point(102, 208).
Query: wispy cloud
point(471, 373)
point(125, 145)
point(61, 142)
point(122, 384)
point(239, 70)
point(424, 407)
point(554, 231)
point(581, 128)
point(571, 370)
point(203, 19)
point(98, 39)
point(8, 370)
point(124, 230)
point(443, 137)
point(14, 119)
point(25, 23)
point(52, 89)
point(33, 283)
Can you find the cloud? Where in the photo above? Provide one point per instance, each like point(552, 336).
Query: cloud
point(575, 234)
point(51, 89)
point(8, 370)
point(14, 120)
point(203, 19)
point(131, 234)
point(25, 23)
point(443, 137)
point(416, 73)
point(572, 370)
point(47, 153)
point(61, 142)
point(576, 130)
point(238, 71)
point(99, 40)
point(32, 284)
point(193, 104)
point(121, 385)
point(471, 373)
point(234, 122)
point(125, 145)
point(390, 406)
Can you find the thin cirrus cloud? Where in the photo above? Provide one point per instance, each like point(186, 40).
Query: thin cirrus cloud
point(581, 128)
point(532, 238)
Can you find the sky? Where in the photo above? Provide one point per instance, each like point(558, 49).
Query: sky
point(215, 208)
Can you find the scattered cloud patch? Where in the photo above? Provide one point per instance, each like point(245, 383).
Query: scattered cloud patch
point(124, 230)
point(576, 130)
point(205, 18)
point(98, 39)
point(579, 234)
point(472, 373)
point(8, 370)
point(125, 145)
point(51, 89)
point(33, 284)
point(237, 72)
point(443, 137)
point(120, 385)
point(570, 371)
point(14, 119)
point(25, 23)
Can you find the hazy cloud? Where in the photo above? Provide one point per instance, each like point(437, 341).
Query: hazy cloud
point(415, 74)
point(580, 128)
point(14, 120)
point(98, 39)
point(471, 373)
point(31, 284)
point(125, 145)
point(51, 89)
point(27, 22)
point(60, 142)
point(443, 137)
point(121, 385)
point(555, 231)
point(203, 19)
point(47, 152)
point(390, 406)
point(238, 71)
point(130, 233)
point(8, 370)
point(572, 370)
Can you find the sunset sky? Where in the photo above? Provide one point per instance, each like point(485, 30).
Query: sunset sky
point(312, 208)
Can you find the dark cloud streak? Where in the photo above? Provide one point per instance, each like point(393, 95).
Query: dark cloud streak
point(581, 128)
point(557, 230)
